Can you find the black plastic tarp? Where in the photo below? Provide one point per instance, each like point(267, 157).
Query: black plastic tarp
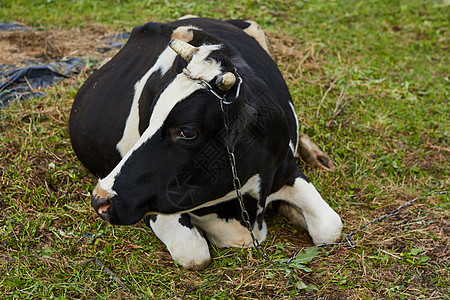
point(24, 82)
point(13, 26)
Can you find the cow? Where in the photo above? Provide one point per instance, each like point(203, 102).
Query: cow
point(173, 115)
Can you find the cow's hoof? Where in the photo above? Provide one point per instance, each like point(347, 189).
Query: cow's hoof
point(192, 254)
point(192, 263)
point(194, 266)
point(311, 153)
point(191, 258)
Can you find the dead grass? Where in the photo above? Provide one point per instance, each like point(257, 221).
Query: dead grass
point(295, 56)
point(18, 47)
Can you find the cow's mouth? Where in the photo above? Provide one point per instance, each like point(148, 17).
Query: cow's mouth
point(104, 208)
point(101, 206)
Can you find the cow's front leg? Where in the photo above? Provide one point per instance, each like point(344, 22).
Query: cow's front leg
point(183, 240)
point(229, 232)
point(304, 206)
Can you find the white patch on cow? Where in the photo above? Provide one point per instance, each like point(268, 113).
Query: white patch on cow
point(259, 210)
point(291, 144)
point(188, 17)
point(322, 222)
point(186, 245)
point(179, 89)
point(131, 132)
point(292, 147)
point(204, 69)
point(184, 33)
point(231, 233)
point(262, 232)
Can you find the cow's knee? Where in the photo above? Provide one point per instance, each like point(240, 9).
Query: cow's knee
point(309, 210)
point(183, 240)
point(322, 222)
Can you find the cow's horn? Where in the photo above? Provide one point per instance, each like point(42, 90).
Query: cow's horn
point(185, 50)
point(226, 81)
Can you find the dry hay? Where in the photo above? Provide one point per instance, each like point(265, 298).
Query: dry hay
point(294, 56)
point(20, 47)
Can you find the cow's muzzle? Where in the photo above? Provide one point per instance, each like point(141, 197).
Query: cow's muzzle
point(101, 204)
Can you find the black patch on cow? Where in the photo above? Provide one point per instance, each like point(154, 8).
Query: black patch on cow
point(286, 172)
point(150, 93)
point(242, 24)
point(149, 218)
point(231, 210)
point(149, 29)
point(260, 220)
point(185, 220)
point(201, 38)
point(298, 174)
point(276, 205)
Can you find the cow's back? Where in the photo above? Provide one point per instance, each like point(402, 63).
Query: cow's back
point(102, 105)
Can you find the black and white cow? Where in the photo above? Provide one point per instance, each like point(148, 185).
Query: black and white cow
point(146, 124)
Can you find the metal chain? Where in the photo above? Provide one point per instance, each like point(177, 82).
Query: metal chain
point(232, 158)
point(348, 240)
point(244, 213)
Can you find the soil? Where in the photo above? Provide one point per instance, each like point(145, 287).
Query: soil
point(19, 48)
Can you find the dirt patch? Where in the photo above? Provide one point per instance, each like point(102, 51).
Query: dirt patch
point(294, 56)
point(18, 47)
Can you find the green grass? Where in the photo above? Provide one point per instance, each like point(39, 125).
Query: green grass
point(370, 83)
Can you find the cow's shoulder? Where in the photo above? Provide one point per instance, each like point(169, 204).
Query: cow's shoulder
point(151, 28)
point(156, 36)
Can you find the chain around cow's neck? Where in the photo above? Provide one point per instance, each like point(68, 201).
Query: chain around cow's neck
point(224, 103)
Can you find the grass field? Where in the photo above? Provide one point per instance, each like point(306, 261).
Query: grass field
point(370, 81)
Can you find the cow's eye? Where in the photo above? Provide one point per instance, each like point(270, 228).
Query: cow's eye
point(184, 133)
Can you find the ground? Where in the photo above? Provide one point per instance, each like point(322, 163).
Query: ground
point(383, 125)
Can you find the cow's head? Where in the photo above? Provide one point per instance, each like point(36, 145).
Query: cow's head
point(180, 162)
